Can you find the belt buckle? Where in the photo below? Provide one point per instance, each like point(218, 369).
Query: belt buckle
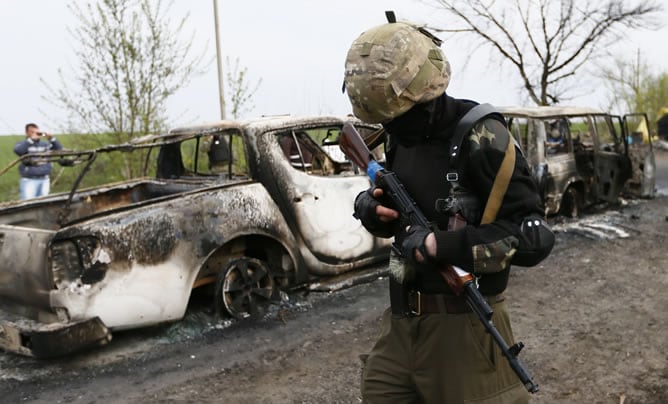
point(411, 308)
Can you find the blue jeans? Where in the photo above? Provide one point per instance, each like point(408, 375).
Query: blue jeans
point(34, 187)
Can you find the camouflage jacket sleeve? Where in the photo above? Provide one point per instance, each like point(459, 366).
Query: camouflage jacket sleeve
point(490, 248)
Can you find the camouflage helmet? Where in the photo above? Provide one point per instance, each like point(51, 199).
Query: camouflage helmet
point(392, 67)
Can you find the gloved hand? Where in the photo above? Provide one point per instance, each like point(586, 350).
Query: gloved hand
point(371, 212)
point(536, 242)
point(412, 243)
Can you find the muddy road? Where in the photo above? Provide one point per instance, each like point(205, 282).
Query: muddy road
point(593, 317)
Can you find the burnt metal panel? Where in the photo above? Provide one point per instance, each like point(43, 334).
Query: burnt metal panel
point(43, 341)
point(153, 254)
point(318, 207)
point(24, 273)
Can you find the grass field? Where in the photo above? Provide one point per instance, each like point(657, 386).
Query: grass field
point(9, 181)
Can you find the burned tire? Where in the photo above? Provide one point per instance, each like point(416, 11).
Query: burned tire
point(244, 288)
point(571, 203)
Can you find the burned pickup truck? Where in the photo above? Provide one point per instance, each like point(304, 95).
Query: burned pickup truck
point(582, 156)
point(243, 209)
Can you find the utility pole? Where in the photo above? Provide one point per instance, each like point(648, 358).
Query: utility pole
point(221, 92)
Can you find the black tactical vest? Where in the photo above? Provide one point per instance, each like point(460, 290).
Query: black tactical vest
point(424, 169)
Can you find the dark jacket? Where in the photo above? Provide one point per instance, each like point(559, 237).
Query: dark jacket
point(29, 169)
point(420, 140)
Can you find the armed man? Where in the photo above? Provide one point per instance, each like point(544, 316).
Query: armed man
point(459, 164)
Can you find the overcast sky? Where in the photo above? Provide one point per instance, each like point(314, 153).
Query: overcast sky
point(297, 47)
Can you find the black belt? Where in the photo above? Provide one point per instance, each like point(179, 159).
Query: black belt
point(421, 303)
point(408, 302)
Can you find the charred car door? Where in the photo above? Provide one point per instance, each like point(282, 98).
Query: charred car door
point(613, 167)
point(638, 143)
point(318, 193)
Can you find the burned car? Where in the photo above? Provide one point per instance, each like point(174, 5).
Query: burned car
point(581, 156)
point(244, 209)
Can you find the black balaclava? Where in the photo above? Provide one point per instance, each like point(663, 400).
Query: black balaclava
point(415, 125)
point(431, 120)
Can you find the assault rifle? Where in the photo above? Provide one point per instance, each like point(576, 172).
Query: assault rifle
point(461, 282)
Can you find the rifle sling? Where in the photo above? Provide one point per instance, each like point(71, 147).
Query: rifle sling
point(500, 185)
point(465, 125)
point(505, 172)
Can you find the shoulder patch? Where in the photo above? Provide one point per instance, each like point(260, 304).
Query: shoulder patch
point(489, 133)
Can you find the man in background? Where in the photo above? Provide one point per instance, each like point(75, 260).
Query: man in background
point(35, 174)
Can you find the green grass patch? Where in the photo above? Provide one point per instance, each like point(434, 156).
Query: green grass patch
point(9, 181)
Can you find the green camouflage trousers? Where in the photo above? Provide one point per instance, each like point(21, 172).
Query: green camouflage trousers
point(441, 358)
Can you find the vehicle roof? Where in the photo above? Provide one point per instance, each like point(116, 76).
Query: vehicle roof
point(182, 133)
point(264, 123)
point(548, 112)
point(215, 126)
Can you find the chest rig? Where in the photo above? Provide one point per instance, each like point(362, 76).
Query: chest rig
point(461, 205)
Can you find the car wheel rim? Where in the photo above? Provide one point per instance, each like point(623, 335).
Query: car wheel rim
point(247, 288)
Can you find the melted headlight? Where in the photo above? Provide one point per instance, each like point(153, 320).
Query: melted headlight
point(78, 259)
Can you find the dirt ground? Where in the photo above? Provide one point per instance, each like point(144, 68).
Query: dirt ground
point(592, 317)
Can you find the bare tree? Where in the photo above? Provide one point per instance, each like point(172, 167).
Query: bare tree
point(623, 79)
point(131, 60)
point(240, 90)
point(548, 41)
point(635, 87)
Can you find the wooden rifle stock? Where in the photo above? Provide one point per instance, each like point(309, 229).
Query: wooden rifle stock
point(352, 145)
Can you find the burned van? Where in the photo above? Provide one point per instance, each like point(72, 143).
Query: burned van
point(581, 156)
